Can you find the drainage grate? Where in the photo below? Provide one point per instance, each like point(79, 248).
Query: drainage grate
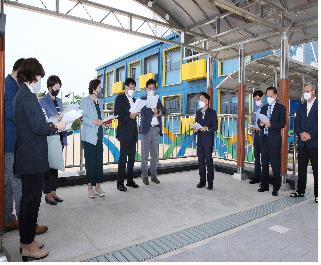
point(153, 248)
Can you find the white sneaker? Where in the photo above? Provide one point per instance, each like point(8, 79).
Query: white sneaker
point(100, 192)
point(91, 194)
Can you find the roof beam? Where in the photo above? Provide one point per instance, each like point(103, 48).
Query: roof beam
point(246, 14)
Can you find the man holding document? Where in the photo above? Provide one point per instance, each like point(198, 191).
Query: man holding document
point(127, 134)
point(205, 127)
point(271, 120)
point(151, 128)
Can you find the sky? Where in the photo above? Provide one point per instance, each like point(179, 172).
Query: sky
point(68, 49)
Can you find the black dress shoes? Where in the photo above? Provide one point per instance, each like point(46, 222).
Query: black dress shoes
point(275, 193)
point(155, 180)
point(145, 181)
point(132, 184)
point(200, 185)
point(254, 181)
point(51, 202)
point(210, 187)
point(121, 187)
point(262, 189)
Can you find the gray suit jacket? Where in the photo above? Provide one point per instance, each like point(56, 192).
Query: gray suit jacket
point(89, 131)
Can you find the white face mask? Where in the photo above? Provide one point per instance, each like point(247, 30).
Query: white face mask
point(37, 87)
point(258, 103)
point(307, 96)
point(270, 100)
point(150, 93)
point(201, 104)
point(130, 92)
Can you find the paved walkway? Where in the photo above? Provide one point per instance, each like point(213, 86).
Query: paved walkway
point(291, 235)
point(81, 228)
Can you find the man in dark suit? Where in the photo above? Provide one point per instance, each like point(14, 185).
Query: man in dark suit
point(207, 118)
point(127, 135)
point(257, 134)
point(272, 140)
point(306, 128)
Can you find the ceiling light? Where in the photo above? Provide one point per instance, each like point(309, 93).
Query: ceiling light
point(167, 17)
point(150, 3)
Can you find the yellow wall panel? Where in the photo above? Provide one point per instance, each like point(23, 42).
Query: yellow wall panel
point(144, 78)
point(194, 70)
point(117, 87)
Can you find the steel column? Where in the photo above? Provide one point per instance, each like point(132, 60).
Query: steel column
point(241, 112)
point(209, 84)
point(2, 73)
point(284, 99)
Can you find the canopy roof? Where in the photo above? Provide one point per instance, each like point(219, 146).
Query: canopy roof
point(260, 74)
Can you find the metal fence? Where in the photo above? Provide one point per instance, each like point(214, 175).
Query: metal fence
point(177, 141)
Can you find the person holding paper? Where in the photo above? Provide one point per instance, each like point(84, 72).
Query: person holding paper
point(92, 135)
point(151, 129)
point(272, 140)
point(257, 136)
point(206, 118)
point(52, 105)
point(31, 158)
point(306, 128)
point(127, 134)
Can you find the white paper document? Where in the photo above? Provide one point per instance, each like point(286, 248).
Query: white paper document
point(262, 117)
point(197, 126)
point(137, 106)
point(71, 116)
point(151, 102)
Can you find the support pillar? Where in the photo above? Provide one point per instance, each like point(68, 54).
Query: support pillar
point(284, 99)
point(2, 73)
point(241, 116)
point(209, 83)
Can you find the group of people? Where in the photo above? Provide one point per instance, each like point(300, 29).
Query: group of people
point(268, 140)
point(27, 172)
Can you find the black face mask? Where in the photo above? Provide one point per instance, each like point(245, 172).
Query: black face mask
point(54, 93)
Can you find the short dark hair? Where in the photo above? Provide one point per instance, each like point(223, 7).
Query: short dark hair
point(29, 71)
point(129, 81)
point(258, 93)
point(18, 64)
point(205, 95)
point(52, 80)
point(93, 84)
point(275, 91)
point(150, 82)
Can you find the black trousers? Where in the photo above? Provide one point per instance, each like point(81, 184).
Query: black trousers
point(305, 155)
point(271, 154)
point(205, 160)
point(29, 206)
point(93, 162)
point(127, 149)
point(50, 181)
point(257, 156)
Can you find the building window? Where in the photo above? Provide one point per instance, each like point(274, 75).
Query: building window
point(192, 103)
point(120, 74)
point(151, 64)
point(109, 83)
point(229, 103)
point(109, 107)
point(172, 104)
point(134, 72)
point(173, 66)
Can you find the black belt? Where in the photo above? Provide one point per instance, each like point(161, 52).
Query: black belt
point(155, 126)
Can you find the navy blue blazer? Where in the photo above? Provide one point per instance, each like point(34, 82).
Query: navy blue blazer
point(127, 127)
point(147, 115)
point(210, 121)
point(277, 120)
point(31, 155)
point(309, 124)
point(11, 88)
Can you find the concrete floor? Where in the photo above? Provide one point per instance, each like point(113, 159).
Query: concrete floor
point(81, 228)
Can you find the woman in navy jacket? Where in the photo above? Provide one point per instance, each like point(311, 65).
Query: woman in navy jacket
point(31, 160)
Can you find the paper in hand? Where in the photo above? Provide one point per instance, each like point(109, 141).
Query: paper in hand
point(151, 102)
point(137, 106)
point(71, 116)
point(197, 126)
point(262, 118)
